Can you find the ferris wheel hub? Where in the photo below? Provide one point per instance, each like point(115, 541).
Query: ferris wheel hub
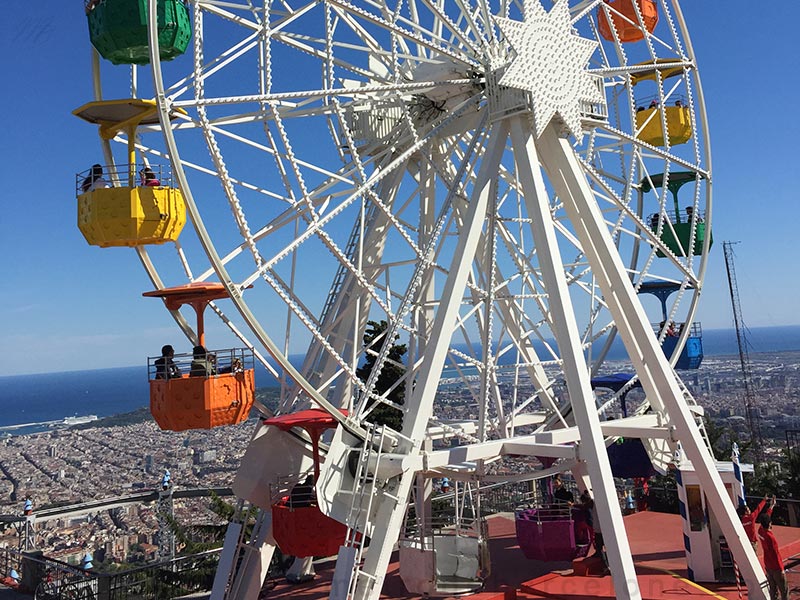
point(548, 64)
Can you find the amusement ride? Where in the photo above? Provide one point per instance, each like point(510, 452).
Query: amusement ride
point(476, 199)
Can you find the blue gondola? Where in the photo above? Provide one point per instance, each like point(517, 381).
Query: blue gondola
point(628, 457)
point(692, 354)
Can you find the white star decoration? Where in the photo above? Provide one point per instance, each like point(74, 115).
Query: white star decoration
point(550, 63)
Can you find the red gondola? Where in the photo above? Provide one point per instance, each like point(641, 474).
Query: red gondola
point(298, 526)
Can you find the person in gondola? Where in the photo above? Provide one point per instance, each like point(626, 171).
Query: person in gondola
point(670, 327)
point(302, 494)
point(149, 178)
point(690, 214)
point(165, 366)
point(202, 363)
point(561, 494)
point(95, 180)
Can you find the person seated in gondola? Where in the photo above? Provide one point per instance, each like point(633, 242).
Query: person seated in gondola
point(561, 494)
point(202, 363)
point(690, 214)
point(165, 366)
point(654, 220)
point(95, 180)
point(302, 494)
point(671, 331)
point(149, 178)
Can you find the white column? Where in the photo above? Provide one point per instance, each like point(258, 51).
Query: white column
point(576, 372)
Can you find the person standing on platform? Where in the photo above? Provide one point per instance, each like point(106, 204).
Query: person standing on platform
point(587, 504)
point(773, 562)
point(749, 519)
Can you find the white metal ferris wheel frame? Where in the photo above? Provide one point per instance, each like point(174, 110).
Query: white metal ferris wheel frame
point(613, 279)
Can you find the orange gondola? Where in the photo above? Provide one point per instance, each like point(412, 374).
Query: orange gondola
point(184, 398)
point(626, 20)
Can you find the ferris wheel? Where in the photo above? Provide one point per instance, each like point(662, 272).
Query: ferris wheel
point(468, 195)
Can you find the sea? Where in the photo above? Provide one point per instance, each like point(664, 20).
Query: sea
point(33, 403)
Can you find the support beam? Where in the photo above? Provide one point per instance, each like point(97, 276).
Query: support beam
point(658, 379)
point(576, 372)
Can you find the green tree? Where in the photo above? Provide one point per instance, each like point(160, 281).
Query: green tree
point(722, 437)
point(663, 493)
point(393, 371)
point(197, 539)
point(717, 436)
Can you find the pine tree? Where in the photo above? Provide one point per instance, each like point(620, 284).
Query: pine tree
point(393, 371)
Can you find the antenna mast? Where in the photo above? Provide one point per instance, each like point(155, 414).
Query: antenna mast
point(753, 419)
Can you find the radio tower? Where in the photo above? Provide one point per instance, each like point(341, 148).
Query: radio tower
point(753, 418)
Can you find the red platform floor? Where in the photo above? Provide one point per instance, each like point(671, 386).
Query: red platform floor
point(656, 541)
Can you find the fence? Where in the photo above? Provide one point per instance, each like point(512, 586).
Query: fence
point(50, 579)
point(122, 175)
point(228, 360)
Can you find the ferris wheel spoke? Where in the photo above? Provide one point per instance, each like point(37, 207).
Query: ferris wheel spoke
point(440, 19)
point(472, 44)
point(439, 46)
point(307, 95)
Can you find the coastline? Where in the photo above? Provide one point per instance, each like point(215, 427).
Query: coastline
point(38, 403)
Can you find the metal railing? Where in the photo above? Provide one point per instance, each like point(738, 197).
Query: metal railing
point(674, 217)
point(677, 326)
point(294, 491)
point(50, 579)
point(652, 101)
point(123, 175)
point(229, 360)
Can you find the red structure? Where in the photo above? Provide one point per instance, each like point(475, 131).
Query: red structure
point(299, 527)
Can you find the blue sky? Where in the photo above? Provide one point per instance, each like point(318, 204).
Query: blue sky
point(65, 305)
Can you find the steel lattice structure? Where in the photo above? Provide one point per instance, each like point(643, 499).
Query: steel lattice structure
point(473, 173)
